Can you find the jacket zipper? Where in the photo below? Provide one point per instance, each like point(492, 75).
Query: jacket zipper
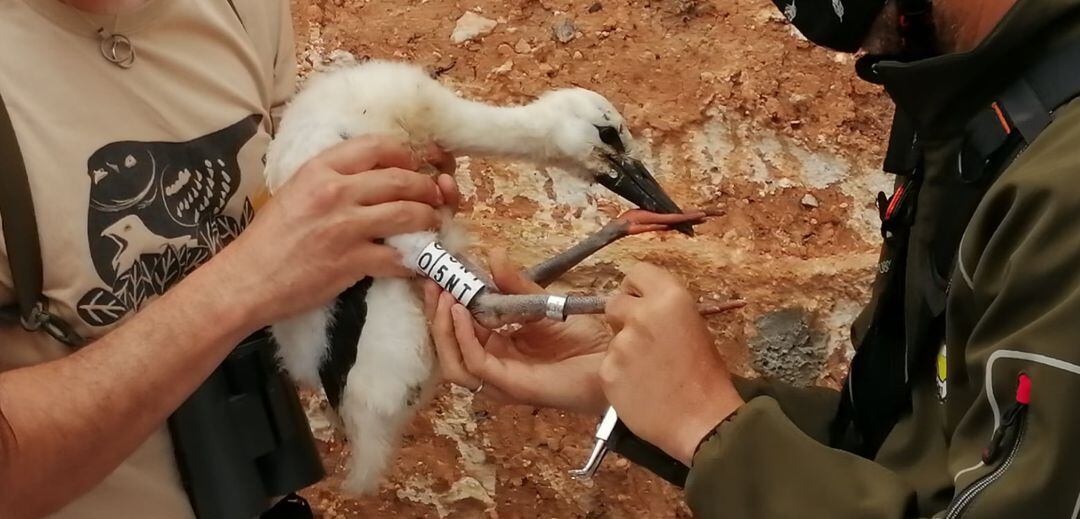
point(1016, 415)
point(960, 505)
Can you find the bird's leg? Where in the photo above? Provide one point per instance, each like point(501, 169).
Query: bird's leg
point(630, 223)
point(493, 309)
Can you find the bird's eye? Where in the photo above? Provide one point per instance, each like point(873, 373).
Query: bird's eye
point(610, 135)
point(129, 161)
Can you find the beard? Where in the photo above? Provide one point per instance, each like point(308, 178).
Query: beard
point(884, 36)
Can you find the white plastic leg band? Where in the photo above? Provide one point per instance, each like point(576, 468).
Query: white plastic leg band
point(556, 308)
point(439, 265)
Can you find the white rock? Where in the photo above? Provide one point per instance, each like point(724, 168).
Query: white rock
point(472, 26)
point(504, 68)
point(809, 200)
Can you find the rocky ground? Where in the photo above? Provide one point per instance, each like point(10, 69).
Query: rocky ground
point(737, 113)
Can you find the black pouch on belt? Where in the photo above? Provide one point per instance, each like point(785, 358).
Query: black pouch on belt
point(242, 438)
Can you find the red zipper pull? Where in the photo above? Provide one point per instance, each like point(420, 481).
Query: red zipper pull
point(894, 203)
point(1023, 389)
point(1009, 418)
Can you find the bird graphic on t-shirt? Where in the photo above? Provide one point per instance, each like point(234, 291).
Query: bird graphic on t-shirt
point(134, 240)
point(173, 188)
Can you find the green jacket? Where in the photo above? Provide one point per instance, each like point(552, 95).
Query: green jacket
point(1013, 308)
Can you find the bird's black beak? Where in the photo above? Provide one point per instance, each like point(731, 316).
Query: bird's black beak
point(633, 182)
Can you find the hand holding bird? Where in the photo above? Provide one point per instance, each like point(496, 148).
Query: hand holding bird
point(320, 232)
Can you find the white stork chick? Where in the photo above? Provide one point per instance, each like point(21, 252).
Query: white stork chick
point(576, 130)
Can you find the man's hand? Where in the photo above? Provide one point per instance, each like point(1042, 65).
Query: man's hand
point(662, 372)
point(320, 233)
point(545, 364)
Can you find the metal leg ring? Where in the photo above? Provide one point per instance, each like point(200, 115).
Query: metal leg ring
point(556, 308)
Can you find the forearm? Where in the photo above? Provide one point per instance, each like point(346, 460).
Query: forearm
point(759, 464)
point(811, 409)
point(72, 421)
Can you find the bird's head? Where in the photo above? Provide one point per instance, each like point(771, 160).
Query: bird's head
point(122, 230)
point(122, 175)
point(591, 140)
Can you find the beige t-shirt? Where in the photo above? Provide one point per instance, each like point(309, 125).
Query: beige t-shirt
point(137, 175)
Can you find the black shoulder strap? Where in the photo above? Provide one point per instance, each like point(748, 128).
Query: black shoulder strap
point(997, 132)
point(23, 245)
point(20, 233)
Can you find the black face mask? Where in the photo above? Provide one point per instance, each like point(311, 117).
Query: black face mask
point(838, 24)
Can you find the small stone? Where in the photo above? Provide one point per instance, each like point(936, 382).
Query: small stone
point(621, 463)
point(504, 68)
point(564, 30)
point(522, 47)
point(578, 55)
point(809, 200)
point(596, 7)
point(472, 26)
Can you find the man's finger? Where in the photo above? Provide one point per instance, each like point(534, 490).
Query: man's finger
point(431, 298)
point(482, 334)
point(380, 186)
point(618, 310)
point(447, 347)
point(380, 261)
point(508, 276)
point(449, 188)
point(367, 153)
point(509, 376)
point(393, 218)
point(477, 361)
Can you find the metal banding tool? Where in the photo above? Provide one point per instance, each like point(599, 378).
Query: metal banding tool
point(600, 448)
